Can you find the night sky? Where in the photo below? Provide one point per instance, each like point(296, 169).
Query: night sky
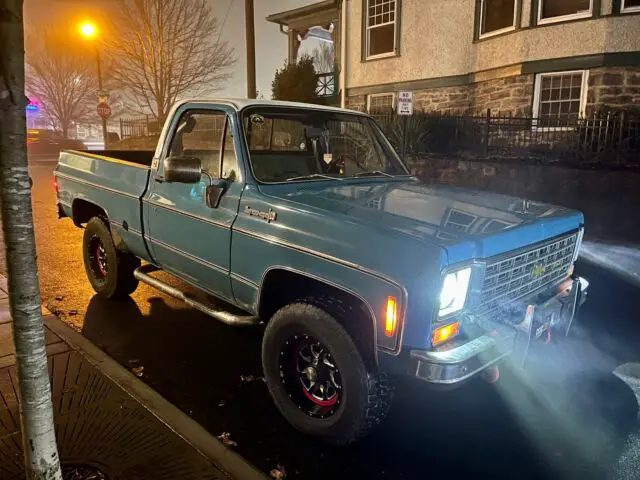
point(271, 45)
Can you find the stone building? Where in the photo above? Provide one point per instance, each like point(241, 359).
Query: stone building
point(542, 58)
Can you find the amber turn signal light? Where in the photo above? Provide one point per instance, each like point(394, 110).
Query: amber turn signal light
point(391, 317)
point(444, 333)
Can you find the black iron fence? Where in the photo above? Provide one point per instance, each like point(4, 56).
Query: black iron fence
point(599, 138)
point(142, 126)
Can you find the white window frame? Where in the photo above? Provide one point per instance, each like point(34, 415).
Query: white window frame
point(367, 28)
point(624, 9)
point(563, 18)
point(502, 30)
point(538, 87)
point(386, 94)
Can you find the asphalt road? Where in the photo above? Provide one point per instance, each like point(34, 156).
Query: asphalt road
point(568, 416)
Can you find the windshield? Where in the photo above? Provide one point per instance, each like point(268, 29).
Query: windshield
point(288, 144)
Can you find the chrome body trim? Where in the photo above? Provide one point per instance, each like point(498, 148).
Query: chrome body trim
point(92, 184)
point(177, 251)
point(335, 285)
point(460, 360)
point(188, 214)
point(331, 258)
point(244, 280)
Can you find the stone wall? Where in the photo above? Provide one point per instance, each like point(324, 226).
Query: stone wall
point(454, 100)
point(356, 102)
point(613, 88)
point(608, 198)
point(507, 96)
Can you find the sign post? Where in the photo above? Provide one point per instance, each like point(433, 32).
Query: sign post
point(404, 108)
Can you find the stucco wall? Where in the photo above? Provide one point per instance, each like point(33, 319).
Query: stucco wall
point(436, 40)
point(609, 199)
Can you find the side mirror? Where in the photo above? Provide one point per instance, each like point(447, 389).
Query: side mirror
point(182, 169)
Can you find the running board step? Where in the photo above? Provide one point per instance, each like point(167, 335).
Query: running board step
point(142, 274)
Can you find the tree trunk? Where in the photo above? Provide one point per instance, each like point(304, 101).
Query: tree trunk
point(38, 434)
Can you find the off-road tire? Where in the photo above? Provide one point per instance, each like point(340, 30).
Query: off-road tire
point(366, 396)
point(118, 282)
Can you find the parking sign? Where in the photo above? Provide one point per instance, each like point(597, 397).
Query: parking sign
point(405, 103)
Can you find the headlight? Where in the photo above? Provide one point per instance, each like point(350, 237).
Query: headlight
point(454, 291)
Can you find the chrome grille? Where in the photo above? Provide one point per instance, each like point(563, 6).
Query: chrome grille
point(514, 277)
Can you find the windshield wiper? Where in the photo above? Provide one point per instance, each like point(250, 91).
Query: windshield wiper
point(312, 176)
point(376, 173)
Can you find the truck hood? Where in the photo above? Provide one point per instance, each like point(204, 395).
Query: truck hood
point(466, 223)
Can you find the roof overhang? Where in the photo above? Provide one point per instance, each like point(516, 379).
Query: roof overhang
point(308, 16)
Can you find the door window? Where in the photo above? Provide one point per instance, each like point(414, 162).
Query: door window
point(200, 134)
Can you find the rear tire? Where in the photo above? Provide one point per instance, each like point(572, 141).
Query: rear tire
point(353, 401)
point(109, 270)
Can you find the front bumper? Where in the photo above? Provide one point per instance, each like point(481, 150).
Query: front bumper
point(460, 360)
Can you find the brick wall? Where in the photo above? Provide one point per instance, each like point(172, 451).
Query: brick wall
point(613, 88)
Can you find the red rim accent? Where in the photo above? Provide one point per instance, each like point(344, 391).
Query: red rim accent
point(99, 256)
point(320, 403)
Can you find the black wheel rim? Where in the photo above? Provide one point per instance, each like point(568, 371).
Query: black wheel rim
point(98, 261)
point(310, 376)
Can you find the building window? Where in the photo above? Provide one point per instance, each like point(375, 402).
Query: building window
point(630, 6)
point(381, 103)
point(381, 24)
point(497, 16)
point(559, 98)
point(559, 10)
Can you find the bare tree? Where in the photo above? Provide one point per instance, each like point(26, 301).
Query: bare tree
point(165, 49)
point(324, 57)
point(62, 77)
point(38, 434)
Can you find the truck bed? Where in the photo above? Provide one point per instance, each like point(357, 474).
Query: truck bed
point(111, 180)
point(141, 157)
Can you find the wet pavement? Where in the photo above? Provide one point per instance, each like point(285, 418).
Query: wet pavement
point(568, 417)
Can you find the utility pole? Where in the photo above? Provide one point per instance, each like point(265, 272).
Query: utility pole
point(101, 92)
point(251, 49)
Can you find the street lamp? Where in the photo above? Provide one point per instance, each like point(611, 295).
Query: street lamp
point(89, 31)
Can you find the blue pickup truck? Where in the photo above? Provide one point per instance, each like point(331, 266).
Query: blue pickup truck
point(303, 221)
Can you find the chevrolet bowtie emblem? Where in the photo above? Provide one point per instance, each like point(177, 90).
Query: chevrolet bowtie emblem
point(538, 270)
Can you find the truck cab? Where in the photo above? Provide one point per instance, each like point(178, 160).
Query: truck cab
point(304, 222)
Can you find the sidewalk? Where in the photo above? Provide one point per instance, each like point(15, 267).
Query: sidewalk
point(106, 417)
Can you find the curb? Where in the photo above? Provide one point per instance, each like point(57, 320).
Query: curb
point(180, 423)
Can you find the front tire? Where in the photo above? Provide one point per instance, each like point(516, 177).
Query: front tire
point(317, 377)
point(109, 271)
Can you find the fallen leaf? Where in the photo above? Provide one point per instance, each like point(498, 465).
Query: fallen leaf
point(225, 438)
point(138, 371)
point(279, 473)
